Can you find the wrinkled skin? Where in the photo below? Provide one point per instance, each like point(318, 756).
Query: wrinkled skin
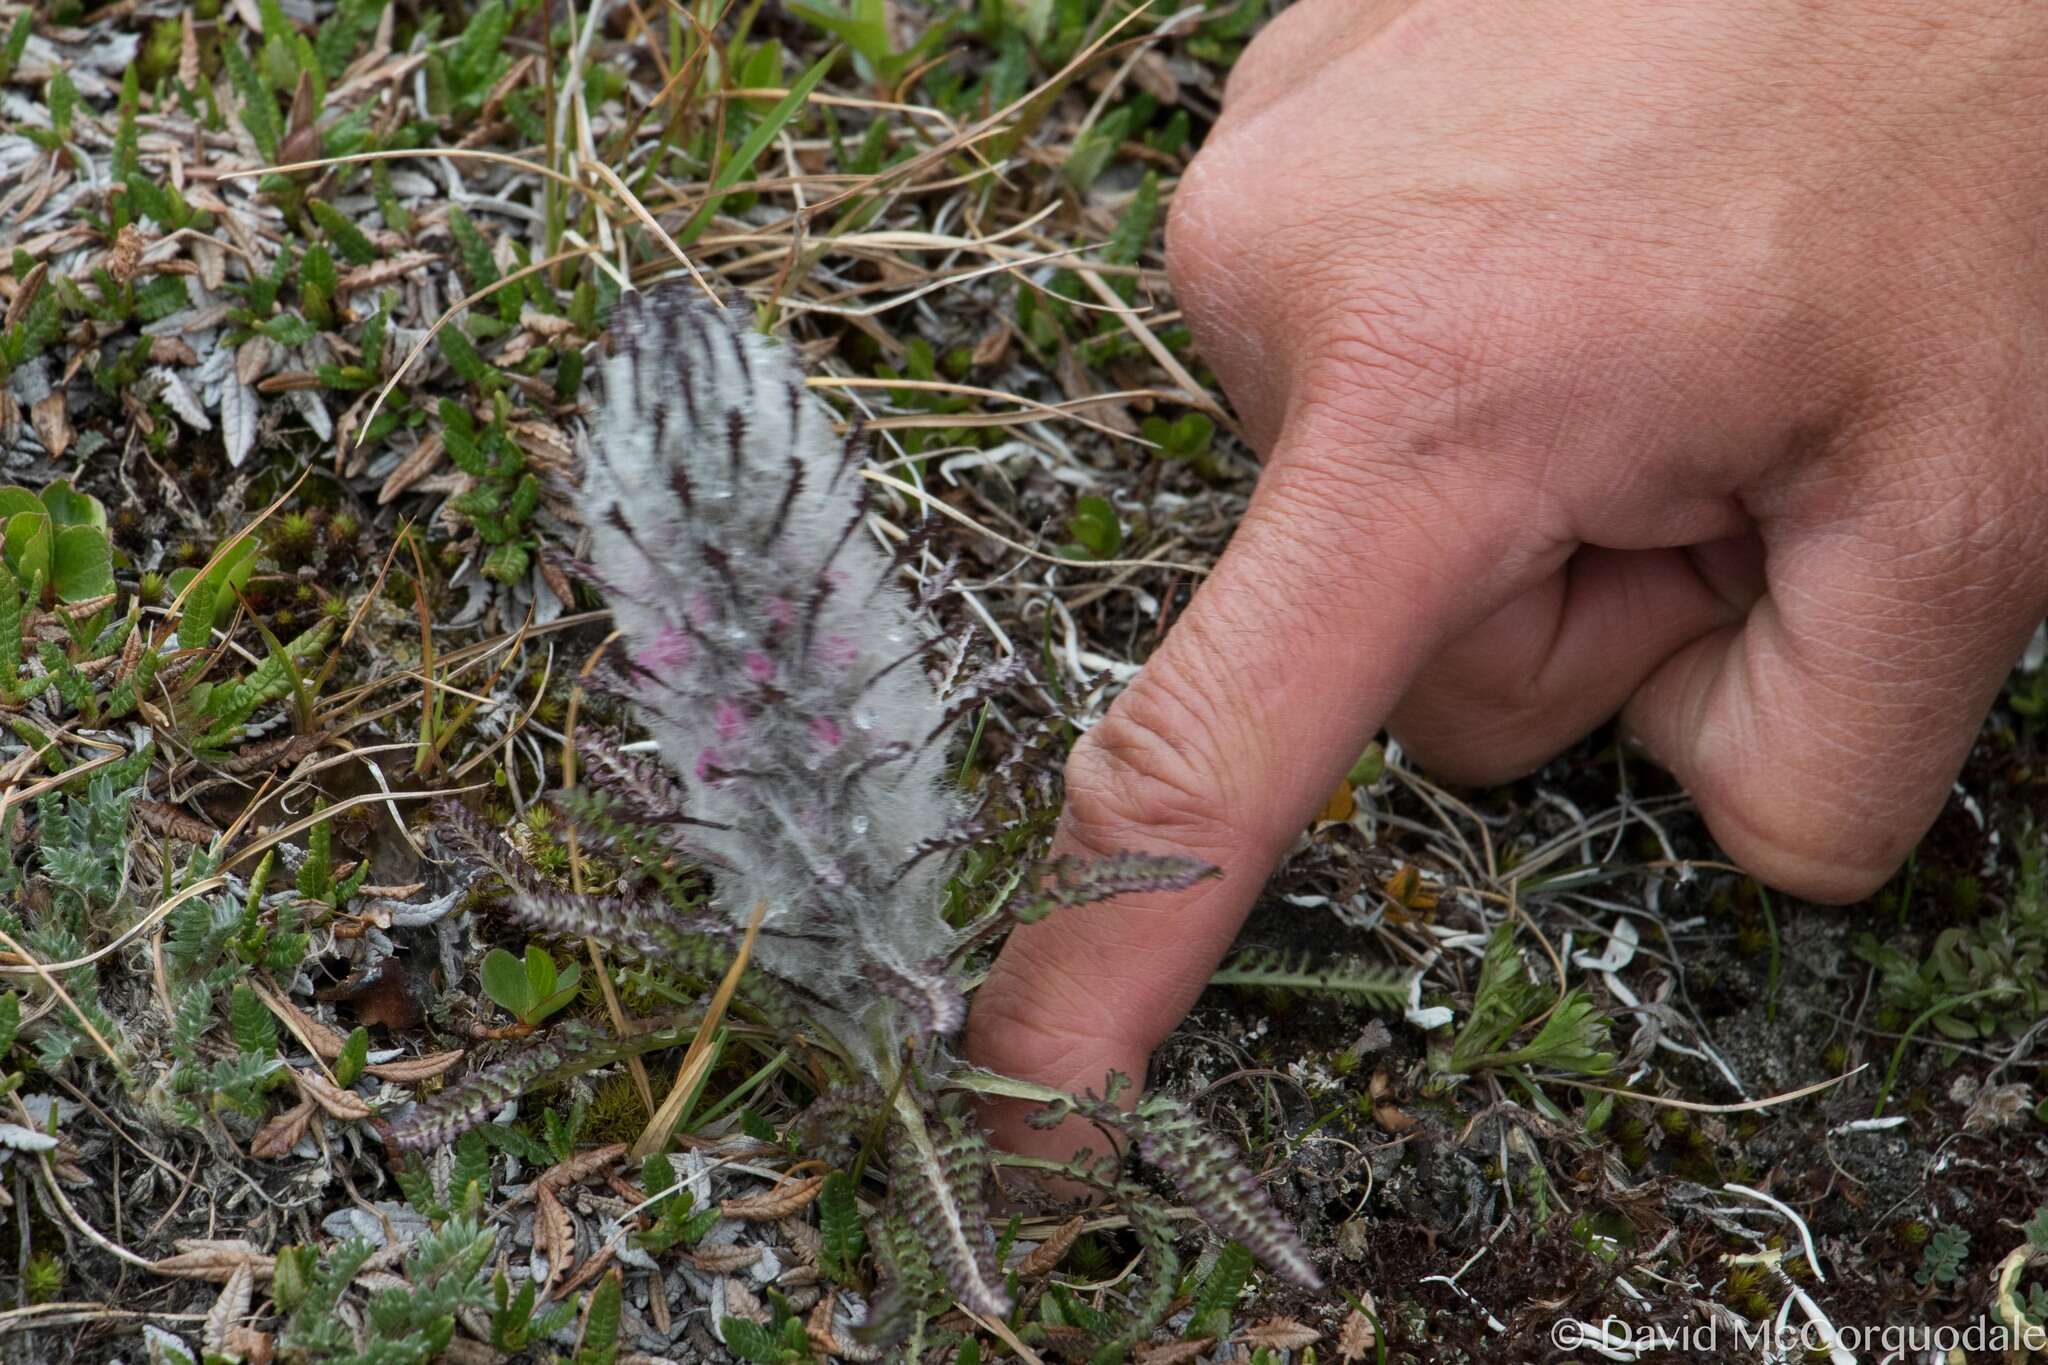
point(1674, 359)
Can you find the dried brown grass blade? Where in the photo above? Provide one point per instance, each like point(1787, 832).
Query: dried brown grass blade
point(698, 1058)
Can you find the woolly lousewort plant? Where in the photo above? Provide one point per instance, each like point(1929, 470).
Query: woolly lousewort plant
point(781, 671)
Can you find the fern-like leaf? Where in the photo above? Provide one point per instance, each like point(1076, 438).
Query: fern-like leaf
point(1212, 1178)
point(1383, 987)
point(941, 1188)
point(569, 1049)
point(1073, 880)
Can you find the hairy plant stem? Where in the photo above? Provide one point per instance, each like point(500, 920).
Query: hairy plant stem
point(994, 1085)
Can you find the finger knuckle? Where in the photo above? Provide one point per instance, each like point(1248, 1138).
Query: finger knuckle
point(1147, 774)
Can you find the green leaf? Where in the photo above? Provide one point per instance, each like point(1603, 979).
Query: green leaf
point(69, 507)
point(28, 547)
point(17, 42)
point(478, 59)
point(317, 871)
point(741, 162)
point(355, 1053)
point(1218, 1294)
point(1095, 527)
point(751, 1341)
point(82, 564)
point(478, 269)
point(63, 101)
point(839, 1226)
point(507, 563)
point(757, 1128)
point(10, 1020)
point(254, 1028)
point(15, 500)
point(600, 1344)
point(540, 973)
point(355, 247)
point(461, 355)
point(506, 982)
point(195, 621)
point(259, 106)
point(289, 329)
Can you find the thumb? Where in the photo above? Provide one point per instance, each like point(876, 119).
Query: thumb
point(1338, 585)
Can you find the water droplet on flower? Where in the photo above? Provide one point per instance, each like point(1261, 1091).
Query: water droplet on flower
point(863, 719)
point(858, 824)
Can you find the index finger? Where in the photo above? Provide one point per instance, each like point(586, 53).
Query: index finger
point(1342, 580)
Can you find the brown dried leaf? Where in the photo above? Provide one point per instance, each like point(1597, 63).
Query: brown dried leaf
point(413, 1070)
point(325, 1042)
point(726, 1259)
point(252, 359)
point(1174, 1352)
point(380, 996)
point(171, 351)
point(1384, 1112)
point(1047, 1255)
point(557, 581)
point(160, 818)
point(272, 753)
point(25, 294)
point(544, 324)
point(742, 1302)
point(779, 1202)
point(804, 1239)
point(52, 421)
point(1152, 74)
point(818, 1327)
point(124, 257)
point(282, 1132)
point(410, 470)
point(250, 1345)
point(554, 1232)
point(993, 346)
point(342, 1104)
point(214, 1259)
point(1356, 1337)
point(212, 262)
point(386, 271)
point(188, 51)
point(798, 1277)
point(577, 1167)
point(230, 1307)
point(1340, 807)
point(1281, 1334)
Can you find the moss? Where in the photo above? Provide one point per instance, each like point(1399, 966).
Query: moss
point(616, 1113)
point(292, 538)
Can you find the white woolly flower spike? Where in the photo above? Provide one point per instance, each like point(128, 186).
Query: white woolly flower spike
point(774, 659)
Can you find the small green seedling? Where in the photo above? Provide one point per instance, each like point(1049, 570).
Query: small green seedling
point(1094, 531)
point(532, 989)
point(1187, 437)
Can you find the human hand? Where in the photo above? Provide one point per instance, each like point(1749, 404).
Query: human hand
point(1671, 359)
